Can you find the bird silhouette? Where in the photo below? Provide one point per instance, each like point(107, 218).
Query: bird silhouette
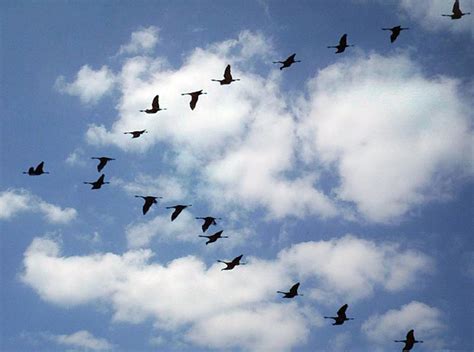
point(293, 291)
point(395, 32)
point(457, 13)
point(341, 316)
point(136, 134)
point(155, 106)
point(410, 341)
point(290, 60)
point(177, 210)
point(194, 97)
point(231, 265)
point(149, 201)
point(208, 221)
point(227, 77)
point(214, 237)
point(103, 160)
point(98, 184)
point(342, 44)
point(36, 171)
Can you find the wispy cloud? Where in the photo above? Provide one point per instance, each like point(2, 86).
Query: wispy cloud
point(141, 41)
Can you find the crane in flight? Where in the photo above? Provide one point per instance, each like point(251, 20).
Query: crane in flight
point(341, 316)
point(290, 60)
point(410, 341)
point(136, 134)
point(32, 171)
point(149, 201)
point(293, 291)
point(395, 32)
point(177, 210)
point(457, 13)
point(194, 97)
point(232, 264)
point(103, 160)
point(227, 77)
point(155, 106)
point(214, 237)
point(342, 45)
point(99, 183)
point(208, 221)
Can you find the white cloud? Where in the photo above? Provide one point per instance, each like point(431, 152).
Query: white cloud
point(428, 14)
point(143, 40)
point(89, 85)
point(15, 201)
point(186, 294)
point(82, 339)
point(76, 158)
point(395, 137)
point(394, 324)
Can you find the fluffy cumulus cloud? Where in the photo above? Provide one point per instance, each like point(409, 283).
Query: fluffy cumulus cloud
point(395, 323)
point(199, 302)
point(15, 201)
point(90, 85)
point(428, 14)
point(389, 137)
point(143, 40)
point(84, 340)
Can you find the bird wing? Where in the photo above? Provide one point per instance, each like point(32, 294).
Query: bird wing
point(193, 102)
point(343, 40)
point(39, 168)
point(411, 335)
point(342, 310)
point(227, 74)
point(176, 212)
point(291, 57)
point(394, 36)
point(102, 163)
point(148, 203)
point(294, 288)
point(456, 8)
point(236, 260)
point(207, 223)
point(101, 178)
point(155, 104)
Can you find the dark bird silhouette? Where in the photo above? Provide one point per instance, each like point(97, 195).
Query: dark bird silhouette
point(457, 13)
point(103, 160)
point(227, 77)
point(155, 106)
point(149, 201)
point(36, 171)
point(208, 221)
point(214, 237)
point(194, 97)
point(293, 291)
point(136, 134)
point(290, 60)
point(231, 265)
point(341, 316)
point(177, 210)
point(395, 32)
point(97, 184)
point(342, 44)
point(410, 341)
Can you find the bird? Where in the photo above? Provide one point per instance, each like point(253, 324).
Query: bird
point(410, 341)
point(136, 134)
point(36, 171)
point(290, 60)
point(395, 32)
point(149, 201)
point(293, 291)
point(103, 160)
point(227, 77)
point(214, 237)
point(98, 184)
point(457, 13)
point(208, 221)
point(231, 265)
point(194, 97)
point(341, 316)
point(342, 44)
point(155, 106)
point(177, 210)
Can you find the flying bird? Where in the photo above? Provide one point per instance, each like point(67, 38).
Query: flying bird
point(194, 97)
point(136, 134)
point(103, 160)
point(97, 184)
point(177, 210)
point(36, 171)
point(293, 291)
point(227, 77)
point(214, 237)
point(457, 13)
point(149, 201)
point(208, 221)
point(341, 316)
point(290, 60)
point(395, 32)
point(231, 265)
point(410, 341)
point(155, 106)
point(342, 44)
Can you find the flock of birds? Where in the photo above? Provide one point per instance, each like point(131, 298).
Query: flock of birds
point(341, 317)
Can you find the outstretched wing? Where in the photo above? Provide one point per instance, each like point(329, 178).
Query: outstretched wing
point(176, 212)
point(193, 102)
point(456, 8)
point(236, 260)
point(343, 40)
point(411, 335)
point(207, 223)
point(155, 104)
point(294, 288)
point(342, 310)
point(291, 58)
point(101, 178)
point(227, 74)
point(39, 168)
point(102, 163)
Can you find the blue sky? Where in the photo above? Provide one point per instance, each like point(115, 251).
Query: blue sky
point(349, 173)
